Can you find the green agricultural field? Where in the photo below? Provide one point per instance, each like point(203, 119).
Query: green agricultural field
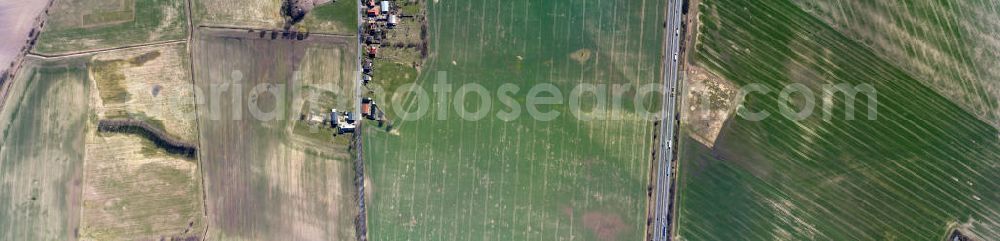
point(338, 16)
point(392, 75)
point(923, 167)
point(952, 46)
point(274, 178)
point(79, 25)
point(524, 179)
point(42, 151)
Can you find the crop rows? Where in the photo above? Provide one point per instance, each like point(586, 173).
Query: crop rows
point(921, 167)
point(565, 179)
point(949, 45)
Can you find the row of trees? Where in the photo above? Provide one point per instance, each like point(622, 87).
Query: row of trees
point(157, 136)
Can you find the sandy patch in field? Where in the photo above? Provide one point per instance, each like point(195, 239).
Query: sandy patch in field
point(605, 226)
point(788, 216)
point(309, 4)
point(581, 56)
point(708, 103)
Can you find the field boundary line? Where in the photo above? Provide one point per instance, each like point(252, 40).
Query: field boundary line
point(197, 124)
point(688, 38)
point(190, 23)
point(94, 51)
point(231, 27)
point(361, 220)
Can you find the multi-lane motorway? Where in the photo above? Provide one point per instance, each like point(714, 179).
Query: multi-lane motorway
point(663, 197)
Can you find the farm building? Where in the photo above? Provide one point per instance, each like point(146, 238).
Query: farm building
point(366, 107)
point(380, 116)
point(393, 20)
point(372, 40)
point(369, 108)
point(372, 112)
point(367, 66)
point(346, 128)
point(351, 117)
point(315, 119)
point(334, 118)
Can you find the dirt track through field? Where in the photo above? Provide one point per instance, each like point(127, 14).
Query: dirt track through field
point(95, 51)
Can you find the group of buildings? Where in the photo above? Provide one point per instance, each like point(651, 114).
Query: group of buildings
point(347, 121)
point(379, 17)
point(341, 121)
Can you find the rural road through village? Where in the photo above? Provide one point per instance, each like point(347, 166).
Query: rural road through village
point(361, 221)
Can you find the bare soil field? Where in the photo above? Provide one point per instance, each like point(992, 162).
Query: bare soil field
point(709, 100)
point(17, 19)
point(134, 189)
point(42, 151)
point(268, 176)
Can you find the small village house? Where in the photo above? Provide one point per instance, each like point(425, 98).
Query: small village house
point(385, 7)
